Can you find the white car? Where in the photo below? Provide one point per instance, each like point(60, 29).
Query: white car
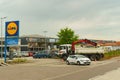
point(78, 59)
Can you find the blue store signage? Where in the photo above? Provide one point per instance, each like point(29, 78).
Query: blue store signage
point(12, 32)
point(11, 41)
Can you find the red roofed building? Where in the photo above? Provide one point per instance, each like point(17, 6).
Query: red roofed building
point(112, 45)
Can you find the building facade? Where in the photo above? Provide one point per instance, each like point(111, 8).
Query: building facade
point(31, 43)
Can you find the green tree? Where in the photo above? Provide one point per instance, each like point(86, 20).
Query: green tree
point(66, 36)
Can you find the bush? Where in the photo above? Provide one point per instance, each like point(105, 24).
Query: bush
point(111, 54)
point(17, 61)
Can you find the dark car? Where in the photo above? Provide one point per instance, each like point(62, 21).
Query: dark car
point(42, 54)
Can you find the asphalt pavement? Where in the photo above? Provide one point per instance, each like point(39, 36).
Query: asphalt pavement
point(56, 69)
point(111, 75)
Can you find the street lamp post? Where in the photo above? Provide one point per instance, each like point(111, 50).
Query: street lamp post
point(45, 38)
point(2, 34)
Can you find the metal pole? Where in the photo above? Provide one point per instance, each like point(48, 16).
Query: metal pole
point(1, 41)
point(5, 50)
point(1, 36)
point(45, 38)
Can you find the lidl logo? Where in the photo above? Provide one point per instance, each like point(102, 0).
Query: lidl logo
point(12, 28)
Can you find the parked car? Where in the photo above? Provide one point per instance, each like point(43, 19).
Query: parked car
point(41, 54)
point(31, 53)
point(78, 59)
point(54, 53)
point(16, 54)
point(24, 54)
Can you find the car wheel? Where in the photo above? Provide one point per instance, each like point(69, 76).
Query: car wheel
point(78, 62)
point(67, 62)
point(64, 57)
point(88, 64)
point(93, 58)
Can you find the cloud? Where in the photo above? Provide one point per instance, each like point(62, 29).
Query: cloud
point(89, 18)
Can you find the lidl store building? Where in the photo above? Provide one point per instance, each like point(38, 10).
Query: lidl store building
point(31, 43)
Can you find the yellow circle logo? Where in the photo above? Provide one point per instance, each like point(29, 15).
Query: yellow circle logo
point(12, 28)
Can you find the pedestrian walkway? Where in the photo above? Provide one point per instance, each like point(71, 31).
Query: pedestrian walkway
point(112, 75)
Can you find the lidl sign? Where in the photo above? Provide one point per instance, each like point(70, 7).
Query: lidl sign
point(12, 32)
point(12, 28)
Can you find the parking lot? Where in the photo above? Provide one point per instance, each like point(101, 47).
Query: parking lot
point(57, 62)
point(48, 69)
point(49, 62)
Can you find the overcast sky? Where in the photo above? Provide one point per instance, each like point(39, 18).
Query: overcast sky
point(92, 19)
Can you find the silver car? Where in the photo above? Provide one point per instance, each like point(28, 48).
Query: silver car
point(78, 59)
